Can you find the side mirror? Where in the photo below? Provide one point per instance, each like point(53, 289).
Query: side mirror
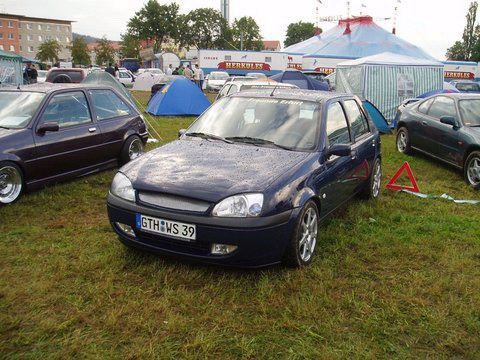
point(339, 150)
point(181, 132)
point(48, 126)
point(448, 120)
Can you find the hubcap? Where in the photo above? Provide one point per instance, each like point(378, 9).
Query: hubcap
point(377, 179)
point(10, 184)
point(473, 171)
point(307, 243)
point(135, 149)
point(402, 142)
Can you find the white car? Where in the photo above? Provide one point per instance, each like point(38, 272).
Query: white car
point(151, 70)
point(126, 78)
point(42, 75)
point(236, 86)
point(216, 80)
point(257, 75)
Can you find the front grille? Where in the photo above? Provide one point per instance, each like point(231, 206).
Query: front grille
point(173, 202)
point(161, 242)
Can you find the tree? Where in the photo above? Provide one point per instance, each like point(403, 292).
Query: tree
point(468, 49)
point(456, 52)
point(247, 32)
point(130, 46)
point(204, 28)
point(48, 51)
point(79, 51)
point(297, 32)
point(156, 22)
point(104, 52)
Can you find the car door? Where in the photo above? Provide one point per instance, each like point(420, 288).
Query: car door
point(335, 184)
point(363, 143)
point(74, 146)
point(114, 117)
point(442, 140)
point(416, 129)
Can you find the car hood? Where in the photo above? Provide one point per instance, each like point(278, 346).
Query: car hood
point(210, 170)
point(4, 133)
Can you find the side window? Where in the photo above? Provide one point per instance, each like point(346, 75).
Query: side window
point(443, 106)
point(124, 75)
point(358, 123)
point(67, 109)
point(423, 107)
point(337, 127)
point(108, 105)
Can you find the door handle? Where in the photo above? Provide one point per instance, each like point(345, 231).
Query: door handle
point(92, 129)
point(424, 123)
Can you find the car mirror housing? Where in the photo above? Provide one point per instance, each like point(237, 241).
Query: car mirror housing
point(48, 126)
point(449, 120)
point(181, 132)
point(339, 150)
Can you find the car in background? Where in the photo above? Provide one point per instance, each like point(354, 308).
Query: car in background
point(447, 128)
point(215, 81)
point(126, 78)
point(248, 182)
point(150, 70)
point(236, 86)
point(239, 78)
point(466, 86)
point(54, 132)
point(66, 75)
point(256, 75)
point(42, 76)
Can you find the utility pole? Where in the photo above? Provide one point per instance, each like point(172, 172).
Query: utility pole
point(241, 41)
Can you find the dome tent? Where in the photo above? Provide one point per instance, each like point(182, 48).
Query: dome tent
point(297, 78)
point(180, 97)
point(352, 39)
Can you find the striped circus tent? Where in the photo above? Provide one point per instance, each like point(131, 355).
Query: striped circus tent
point(387, 79)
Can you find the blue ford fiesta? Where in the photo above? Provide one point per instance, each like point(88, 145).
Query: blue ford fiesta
point(249, 181)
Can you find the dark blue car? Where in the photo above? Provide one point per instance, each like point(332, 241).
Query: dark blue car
point(249, 181)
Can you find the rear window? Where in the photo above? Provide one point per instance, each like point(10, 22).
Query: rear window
point(76, 76)
point(108, 105)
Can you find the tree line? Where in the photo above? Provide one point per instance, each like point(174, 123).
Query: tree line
point(166, 29)
point(468, 48)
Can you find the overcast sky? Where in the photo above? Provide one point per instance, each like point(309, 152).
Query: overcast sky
point(431, 24)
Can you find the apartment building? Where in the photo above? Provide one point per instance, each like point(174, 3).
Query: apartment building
point(24, 34)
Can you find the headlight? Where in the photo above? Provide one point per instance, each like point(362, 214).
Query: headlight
point(246, 205)
point(122, 187)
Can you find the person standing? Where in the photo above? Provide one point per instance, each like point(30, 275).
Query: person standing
point(110, 69)
point(181, 70)
point(117, 72)
point(188, 73)
point(169, 70)
point(199, 76)
point(31, 74)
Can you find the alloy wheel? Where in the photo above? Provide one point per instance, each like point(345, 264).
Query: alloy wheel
point(10, 184)
point(309, 226)
point(473, 171)
point(377, 180)
point(402, 141)
point(135, 149)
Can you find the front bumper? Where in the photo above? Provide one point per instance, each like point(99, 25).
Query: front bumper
point(261, 241)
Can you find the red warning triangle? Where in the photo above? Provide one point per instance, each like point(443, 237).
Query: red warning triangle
point(391, 184)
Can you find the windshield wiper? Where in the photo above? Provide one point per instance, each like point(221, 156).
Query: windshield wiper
point(208, 137)
point(257, 141)
point(4, 127)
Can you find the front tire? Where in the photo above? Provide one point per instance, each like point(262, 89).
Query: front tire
point(11, 182)
point(132, 149)
point(471, 169)
point(403, 141)
point(302, 246)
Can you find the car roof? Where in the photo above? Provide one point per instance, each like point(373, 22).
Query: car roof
point(47, 88)
point(460, 95)
point(292, 94)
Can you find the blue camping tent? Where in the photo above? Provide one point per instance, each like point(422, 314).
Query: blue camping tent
point(180, 97)
point(301, 80)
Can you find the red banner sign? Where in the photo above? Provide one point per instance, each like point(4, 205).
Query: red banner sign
point(459, 75)
point(325, 70)
point(295, 66)
point(226, 65)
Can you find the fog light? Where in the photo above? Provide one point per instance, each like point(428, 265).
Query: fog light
point(126, 229)
point(223, 249)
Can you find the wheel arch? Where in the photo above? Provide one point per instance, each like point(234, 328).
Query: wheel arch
point(468, 151)
point(304, 196)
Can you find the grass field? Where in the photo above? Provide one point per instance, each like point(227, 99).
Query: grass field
point(394, 278)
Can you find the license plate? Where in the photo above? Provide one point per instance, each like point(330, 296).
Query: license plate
point(168, 228)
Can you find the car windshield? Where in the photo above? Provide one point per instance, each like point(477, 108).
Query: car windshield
point(218, 76)
point(468, 87)
point(470, 111)
point(284, 123)
point(18, 108)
